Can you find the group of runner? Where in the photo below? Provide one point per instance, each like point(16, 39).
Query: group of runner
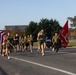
point(22, 43)
point(56, 42)
point(17, 43)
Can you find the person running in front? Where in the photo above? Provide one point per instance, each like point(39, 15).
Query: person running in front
point(56, 42)
point(40, 39)
point(4, 45)
point(8, 45)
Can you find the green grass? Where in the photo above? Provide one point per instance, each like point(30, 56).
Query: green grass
point(72, 43)
point(35, 45)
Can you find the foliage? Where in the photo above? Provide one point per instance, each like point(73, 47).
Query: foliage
point(49, 26)
point(73, 21)
point(32, 28)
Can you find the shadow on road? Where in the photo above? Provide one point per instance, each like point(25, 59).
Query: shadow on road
point(2, 72)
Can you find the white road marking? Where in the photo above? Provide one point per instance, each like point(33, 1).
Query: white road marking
point(45, 66)
point(61, 52)
point(58, 52)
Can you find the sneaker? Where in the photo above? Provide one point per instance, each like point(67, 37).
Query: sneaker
point(42, 54)
point(8, 57)
point(52, 49)
point(31, 50)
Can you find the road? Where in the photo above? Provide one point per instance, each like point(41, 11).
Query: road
point(27, 63)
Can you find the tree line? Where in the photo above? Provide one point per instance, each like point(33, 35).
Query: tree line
point(73, 21)
point(49, 26)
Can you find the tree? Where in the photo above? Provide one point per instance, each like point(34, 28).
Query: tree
point(44, 24)
point(55, 27)
point(32, 28)
point(49, 26)
point(73, 21)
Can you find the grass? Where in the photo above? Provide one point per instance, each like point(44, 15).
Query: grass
point(35, 44)
point(72, 43)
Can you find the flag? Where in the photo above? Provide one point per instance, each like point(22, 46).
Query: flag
point(0, 37)
point(2, 34)
point(63, 35)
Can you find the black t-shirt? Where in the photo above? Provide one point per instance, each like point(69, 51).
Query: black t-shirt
point(17, 39)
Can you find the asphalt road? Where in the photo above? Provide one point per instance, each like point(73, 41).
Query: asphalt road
point(27, 63)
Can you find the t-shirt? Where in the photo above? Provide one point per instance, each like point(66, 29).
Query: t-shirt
point(17, 39)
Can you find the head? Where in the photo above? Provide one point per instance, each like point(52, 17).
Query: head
point(16, 34)
point(8, 34)
point(42, 30)
point(56, 34)
point(24, 36)
point(30, 35)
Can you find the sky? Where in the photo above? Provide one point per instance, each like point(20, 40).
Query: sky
point(21, 12)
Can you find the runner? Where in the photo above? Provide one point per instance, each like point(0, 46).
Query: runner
point(41, 39)
point(21, 44)
point(26, 41)
point(56, 42)
point(8, 45)
point(4, 45)
point(31, 42)
point(16, 40)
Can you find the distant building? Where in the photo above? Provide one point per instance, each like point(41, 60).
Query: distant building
point(72, 33)
point(19, 29)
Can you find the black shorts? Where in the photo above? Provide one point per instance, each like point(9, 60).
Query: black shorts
point(27, 44)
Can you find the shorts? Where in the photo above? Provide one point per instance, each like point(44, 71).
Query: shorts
point(27, 44)
point(41, 42)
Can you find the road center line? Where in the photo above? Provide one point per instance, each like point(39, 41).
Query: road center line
point(45, 66)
